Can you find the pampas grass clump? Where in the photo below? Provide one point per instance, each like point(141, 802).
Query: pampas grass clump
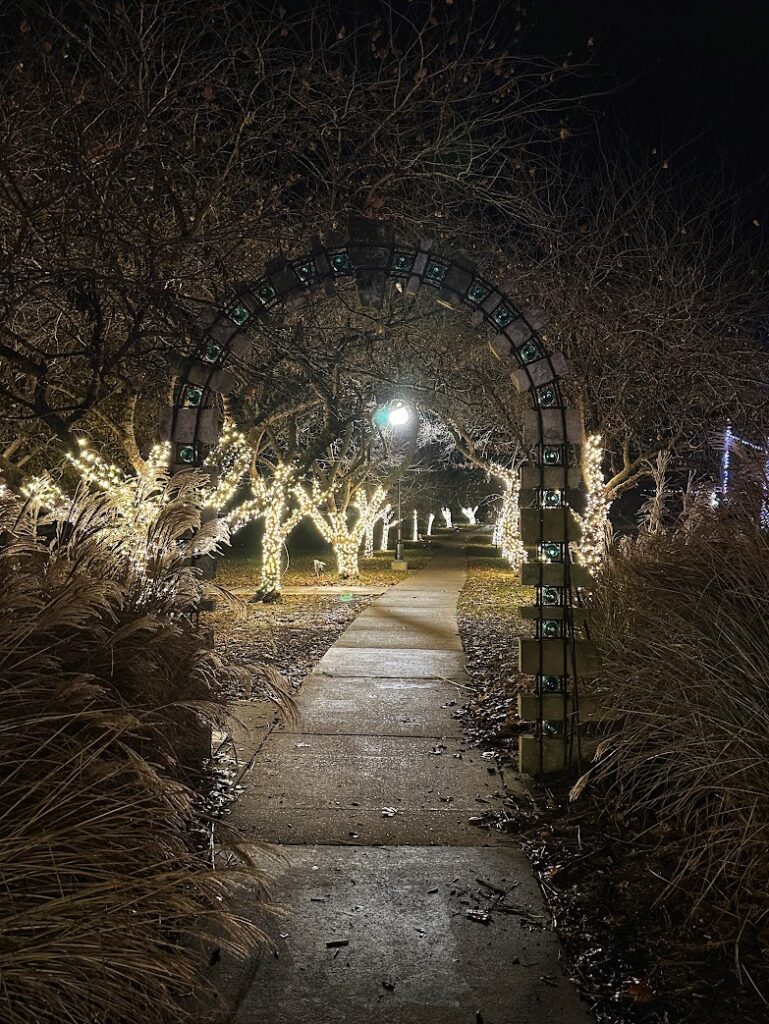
point(105, 908)
point(682, 619)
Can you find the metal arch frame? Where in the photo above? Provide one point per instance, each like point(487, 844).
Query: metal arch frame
point(191, 424)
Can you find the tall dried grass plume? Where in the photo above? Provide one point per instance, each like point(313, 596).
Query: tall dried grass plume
point(106, 907)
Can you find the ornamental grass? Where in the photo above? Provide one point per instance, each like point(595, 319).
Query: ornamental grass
point(682, 619)
point(107, 912)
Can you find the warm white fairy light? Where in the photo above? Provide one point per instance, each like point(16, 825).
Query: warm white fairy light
point(137, 500)
point(415, 525)
point(231, 458)
point(507, 529)
point(469, 514)
point(388, 523)
point(368, 535)
point(276, 500)
point(591, 549)
point(430, 521)
point(446, 513)
point(42, 492)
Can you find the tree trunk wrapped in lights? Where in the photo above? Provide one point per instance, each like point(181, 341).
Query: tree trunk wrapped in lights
point(446, 513)
point(507, 530)
point(271, 502)
point(469, 514)
point(388, 523)
point(591, 550)
point(430, 521)
point(368, 535)
point(415, 525)
point(332, 522)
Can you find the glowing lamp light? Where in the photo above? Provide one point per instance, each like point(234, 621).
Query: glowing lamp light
point(399, 415)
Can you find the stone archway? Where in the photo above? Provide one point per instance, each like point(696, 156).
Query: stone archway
point(371, 260)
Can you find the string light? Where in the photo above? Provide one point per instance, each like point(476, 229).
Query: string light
point(415, 525)
point(469, 514)
point(388, 522)
point(368, 536)
point(137, 501)
point(231, 457)
point(507, 529)
point(430, 521)
point(446, 513)
point(271, 501)
point(592, 547)
point(42, 492)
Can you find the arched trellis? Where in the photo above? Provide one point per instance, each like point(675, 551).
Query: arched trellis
point(369, 258)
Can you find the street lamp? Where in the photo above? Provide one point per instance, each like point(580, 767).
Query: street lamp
point(398, 416)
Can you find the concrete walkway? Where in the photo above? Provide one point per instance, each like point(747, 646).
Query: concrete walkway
point(384, 879)
point(319, 588)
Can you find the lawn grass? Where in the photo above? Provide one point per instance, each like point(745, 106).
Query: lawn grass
point(235, 571)
point(493, 593)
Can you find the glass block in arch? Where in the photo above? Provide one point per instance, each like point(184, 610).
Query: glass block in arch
point(503, 315)
point(435, 272)
point(477, 292)
point(551, 498)
point(553, 455)
point(550, 597)
point(266, 293)
point(212, 353)
point(546, 396)
point(239, 314)
point(551, 684)
point(550, 629)
point(188, 454)
point(403, 262)
point(551, 551)
point(192, 396)
point(529, 352)
point(340, 263)
point(306, 271)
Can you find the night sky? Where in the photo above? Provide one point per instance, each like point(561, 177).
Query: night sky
point(692, 73)
point(689, 77)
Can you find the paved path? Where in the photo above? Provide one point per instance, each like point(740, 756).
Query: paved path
point(370, 802)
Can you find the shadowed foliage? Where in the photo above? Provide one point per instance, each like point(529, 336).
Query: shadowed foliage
point(683, 623)
point(103, 680)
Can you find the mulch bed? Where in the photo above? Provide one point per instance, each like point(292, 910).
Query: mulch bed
point(290, 637)
point(638, 956)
